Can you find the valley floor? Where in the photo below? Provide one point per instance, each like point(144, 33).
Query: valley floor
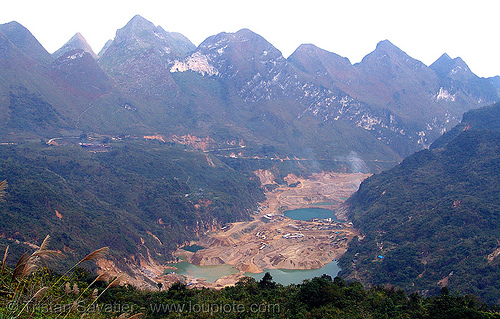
point(271, 240)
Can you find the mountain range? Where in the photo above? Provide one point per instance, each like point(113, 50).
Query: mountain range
point(235, 87)
point(190, 124)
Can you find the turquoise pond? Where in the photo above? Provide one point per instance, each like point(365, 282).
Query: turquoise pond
point(308, 213)
point(210, 273)
point(296, 276)
point(282, 276)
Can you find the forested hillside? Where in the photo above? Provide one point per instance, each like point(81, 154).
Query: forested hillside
point(434, 220)
point(138, 197)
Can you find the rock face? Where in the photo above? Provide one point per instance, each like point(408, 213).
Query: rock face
point(266, 177)
point(77, 42)
point(139, 56)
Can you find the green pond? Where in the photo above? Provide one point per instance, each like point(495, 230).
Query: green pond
point(308, 213)
point(282, 276)
point(296, 276)
point(210, 273)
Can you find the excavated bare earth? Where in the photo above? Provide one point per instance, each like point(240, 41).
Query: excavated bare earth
point(281, 242)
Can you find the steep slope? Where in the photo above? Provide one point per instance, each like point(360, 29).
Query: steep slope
point(40, 96)
point(459, 84)
point(417, 103)
point(25, 41)
point(248, 60)
point(496, 83)
point(485, 118)
point(25, 111)
point(328, 68)
point(263, 93)
point(145, 93)
point(394, 80)
point(77, 71)
point(77, 42)
point(138, 57)
point(140, 198)
point(434, 219)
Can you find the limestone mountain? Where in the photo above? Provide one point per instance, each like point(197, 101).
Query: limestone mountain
point(460, 85)
point(42, 96)
point(238, 86)
point(22, 38)
point(394, 79)
point(262, 91)
point(77, 42)
point(413, 100)
point(327, 68)
point(24, 111)
point(139, 56)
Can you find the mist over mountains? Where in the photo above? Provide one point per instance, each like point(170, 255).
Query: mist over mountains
point(235, 87)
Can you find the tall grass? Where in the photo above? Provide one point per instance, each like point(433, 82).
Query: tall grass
point(30, 290)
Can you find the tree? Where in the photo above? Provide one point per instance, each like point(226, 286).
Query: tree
point(267, 282)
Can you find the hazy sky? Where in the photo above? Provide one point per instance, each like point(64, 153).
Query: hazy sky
point(424, 29)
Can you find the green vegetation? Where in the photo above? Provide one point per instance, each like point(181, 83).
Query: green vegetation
point(31, 290)
point(137, 198)
point(30, 112)
point(82, 295)
point(435, 218)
